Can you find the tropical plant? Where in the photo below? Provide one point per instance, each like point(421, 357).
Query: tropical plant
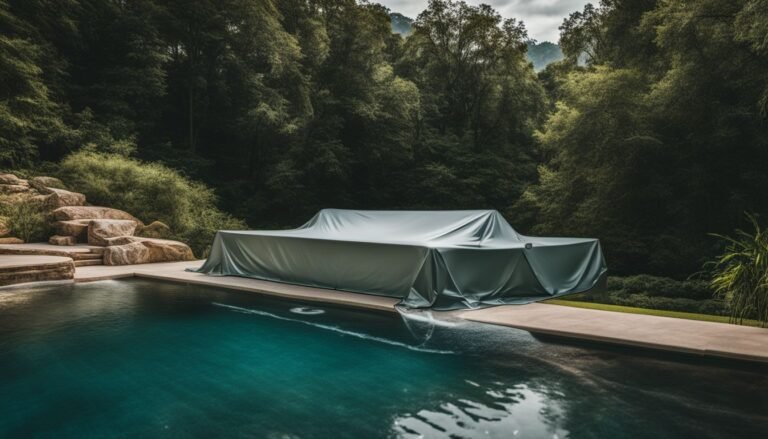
point(740, 274)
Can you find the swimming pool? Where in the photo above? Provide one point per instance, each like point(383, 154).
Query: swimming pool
point(142, 359)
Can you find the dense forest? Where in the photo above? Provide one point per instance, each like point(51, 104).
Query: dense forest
point(650, 134)
point(540, 54)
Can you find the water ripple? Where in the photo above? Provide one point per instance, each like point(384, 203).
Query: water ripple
point(334, 329)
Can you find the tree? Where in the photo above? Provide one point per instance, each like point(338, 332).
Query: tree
point(660, 139)
point(480, 102)
point(28, 114)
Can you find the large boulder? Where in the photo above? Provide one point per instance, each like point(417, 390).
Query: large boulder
point(126, 254)
point(61, 198)
point(8, 189)
point(10, 179)
point(39, 187)
point(125, 250)
point(75, 228)
point(62, 240)
point(69, 213)
point(11, 241)
point(100, 230)
point(49, 182)
point(165, 250)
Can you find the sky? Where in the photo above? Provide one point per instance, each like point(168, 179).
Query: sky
point(541, 17)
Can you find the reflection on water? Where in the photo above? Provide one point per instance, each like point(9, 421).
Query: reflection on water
point(146, 359)
point(499, 411)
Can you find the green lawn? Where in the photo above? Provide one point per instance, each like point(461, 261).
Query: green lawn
point(650, 312)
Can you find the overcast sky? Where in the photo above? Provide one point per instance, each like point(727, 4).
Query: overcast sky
point(541, 17)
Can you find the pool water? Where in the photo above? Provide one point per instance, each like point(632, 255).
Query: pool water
point(150, 359)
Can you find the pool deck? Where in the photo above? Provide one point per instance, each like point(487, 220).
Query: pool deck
point(707, 339)
point(176, 272)
point(650, 332)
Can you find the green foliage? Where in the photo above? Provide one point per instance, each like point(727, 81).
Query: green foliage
point(653, 292)
point(25, 218)
point(660, 138)
point(28, 115)
point(650, 134)
point(151, 192)
point(288, 107)
point(740, 274)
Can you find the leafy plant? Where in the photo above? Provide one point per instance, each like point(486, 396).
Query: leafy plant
point(150, 191)
point(25, 219)
point(655, 292)
point(740, 274)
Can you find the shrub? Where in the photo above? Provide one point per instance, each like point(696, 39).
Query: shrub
point(653, 292)
point(661, 286)
point(149, 191)
point(25, 219)
point(740, 274)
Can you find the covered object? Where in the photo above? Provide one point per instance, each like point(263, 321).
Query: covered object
point(438, 259)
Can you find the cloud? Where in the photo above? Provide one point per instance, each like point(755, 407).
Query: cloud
point(541, 17)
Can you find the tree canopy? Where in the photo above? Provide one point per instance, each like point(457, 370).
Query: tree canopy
point(650, 134)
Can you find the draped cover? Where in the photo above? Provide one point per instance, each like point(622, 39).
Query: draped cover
point(438, 259)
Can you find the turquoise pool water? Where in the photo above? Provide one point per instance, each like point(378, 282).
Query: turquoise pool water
point(148, 359)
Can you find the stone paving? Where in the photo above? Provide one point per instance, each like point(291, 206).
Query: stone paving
point(654, 332)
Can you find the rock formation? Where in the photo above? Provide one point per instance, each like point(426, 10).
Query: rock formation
point(74, 223)
point(99, 230)
point(59, 198)
point(77, 229)
point(6, 179)
point(49, 182)
point(62, 240)
point(139, 250)
point(38, 269)
point(69, 213)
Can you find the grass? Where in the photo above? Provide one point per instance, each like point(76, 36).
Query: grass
point(650, 312)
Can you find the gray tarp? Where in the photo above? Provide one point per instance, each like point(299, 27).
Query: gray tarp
point(439, 259)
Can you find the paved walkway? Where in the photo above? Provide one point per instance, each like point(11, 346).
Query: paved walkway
point(670, 334)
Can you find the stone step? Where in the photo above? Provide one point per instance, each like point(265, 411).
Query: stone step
point(23, 269)
point(87, 256)
point(58, 266)
point(43, 249)
point(88, 262)
point(33, 275)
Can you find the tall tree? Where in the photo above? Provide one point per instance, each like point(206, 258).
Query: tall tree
point(29, 116)
point(661, 139)
point(480, 104)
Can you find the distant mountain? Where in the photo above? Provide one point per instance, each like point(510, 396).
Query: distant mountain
point(540, 54)
point(544, 53)
point(401, 24)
